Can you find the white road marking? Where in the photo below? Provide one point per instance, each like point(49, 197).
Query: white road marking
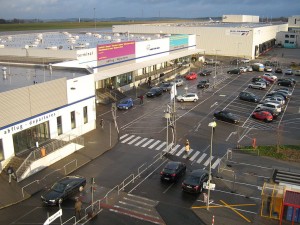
point(201, 158)
point(147, 143)
point(180, 151)
point(141, 141)
point(154, 144)
point(194, 156)
point(127, 139)
point(216, 163)
point(207, 161)
point(174, 149)
point(125, 135)
point(190, 152)
point(134, 140)
point(161, 145)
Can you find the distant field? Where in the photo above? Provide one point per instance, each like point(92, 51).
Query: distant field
point(67, 25)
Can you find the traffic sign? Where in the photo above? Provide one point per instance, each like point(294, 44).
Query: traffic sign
point(53, 217)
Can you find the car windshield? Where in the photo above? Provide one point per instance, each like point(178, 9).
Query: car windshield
point(58, 187)
point(124, 102)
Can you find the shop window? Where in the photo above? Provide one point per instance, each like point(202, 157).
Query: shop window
point(1, 151)
point(85, 115)
point(73, 121)
point(59, 125)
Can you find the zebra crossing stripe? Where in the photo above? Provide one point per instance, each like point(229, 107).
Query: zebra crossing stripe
point(127, 139)
point(125, 135)
point(186, 155)
point(174, 149)
point(216, 163)
point(161, 145)
point(194, 156)
point(134, 140)
point(168, 148)
point(207, 161)
point(180, 151)
point(147, 143)
point(141, 141)
point(154, 144)
point(201, 158)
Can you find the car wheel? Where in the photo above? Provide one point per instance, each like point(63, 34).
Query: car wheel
point(266, 120)
point(126, 107)
point(81, 188)
point(260, 88)
point(253, 116)
point(195, 100)
point(181, 100)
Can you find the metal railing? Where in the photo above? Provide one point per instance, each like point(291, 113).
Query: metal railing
point(35, 181)
point(223, 162)
point(47, 149)
point(72, 162)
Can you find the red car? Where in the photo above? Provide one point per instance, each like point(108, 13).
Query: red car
point(263, 115)
point(191, 76)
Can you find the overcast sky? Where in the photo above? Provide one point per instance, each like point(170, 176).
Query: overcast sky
point(61, 9)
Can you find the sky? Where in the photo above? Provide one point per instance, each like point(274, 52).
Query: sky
point(63, 9)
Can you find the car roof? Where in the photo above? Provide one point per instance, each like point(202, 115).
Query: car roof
point(199, 172)
point(172, 164)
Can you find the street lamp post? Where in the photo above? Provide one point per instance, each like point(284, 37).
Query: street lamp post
point(212, 125)
point(167, 116)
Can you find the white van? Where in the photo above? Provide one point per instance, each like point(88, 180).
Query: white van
point(297, 73)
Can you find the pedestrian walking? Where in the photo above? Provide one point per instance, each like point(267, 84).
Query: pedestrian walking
point(102, 123)
point(149, 81)
point(78, 205)
point(11, 173)
point(187, 148)
point(141, 99)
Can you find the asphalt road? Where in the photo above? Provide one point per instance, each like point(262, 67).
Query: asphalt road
point(142, 139)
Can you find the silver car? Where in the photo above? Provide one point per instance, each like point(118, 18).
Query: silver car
point(189, 97)
point(179, 82)
point(269, 105)
point(275, 98)
point(258, 85)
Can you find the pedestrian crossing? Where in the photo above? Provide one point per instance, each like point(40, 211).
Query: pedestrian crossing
point(195, 156)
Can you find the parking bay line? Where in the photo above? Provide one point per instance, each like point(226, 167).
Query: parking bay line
point(221, 206)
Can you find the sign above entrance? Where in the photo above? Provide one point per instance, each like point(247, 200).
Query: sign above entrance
point(27, 124)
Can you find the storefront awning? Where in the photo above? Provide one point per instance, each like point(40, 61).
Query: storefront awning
point(107, 73)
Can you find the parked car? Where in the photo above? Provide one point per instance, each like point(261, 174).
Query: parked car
point(63, 189)
point(260, 79)
point(211, 62)
point(285, 82)
point(248, 96)
point(234, 71)
point(191, 76)
point(179, 82)
point(193, 183)
point(243, 69)
point(205, 73)
point(258, 85)
point(289, 72)
point(262, 115)
point(203, 84)
point(279, 99)
point(125, 104)
point(189, 97)
point(272, 94)
point(268, 69)
point(226, 116)
point(278, 70)
point(166, 86)
point(249, 68)
point(269, 105)
point(273, 112)
point(297, 73)
point(283, 91)
point(244, 60)
point(270, 77)
point(155, 91)
point(172, 171)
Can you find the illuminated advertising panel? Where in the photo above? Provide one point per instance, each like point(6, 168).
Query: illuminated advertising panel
point(115, 52)
point(179, 41)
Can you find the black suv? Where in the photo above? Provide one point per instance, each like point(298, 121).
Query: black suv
point(248, 96)
point(234, 71)
point(285, 82)
point(155, 91)
point(203, 84)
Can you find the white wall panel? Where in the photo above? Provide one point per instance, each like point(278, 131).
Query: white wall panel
point(152, 49)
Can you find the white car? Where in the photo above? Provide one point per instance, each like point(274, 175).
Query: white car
point(189, 97)
point(258, 85)
point(179, 82)
point(275, 98)
point(268, 69)
point(245, 60)
point(269, 105)
point(243, 69)
point(249, 68)
point(297, 73)
point(270, 75)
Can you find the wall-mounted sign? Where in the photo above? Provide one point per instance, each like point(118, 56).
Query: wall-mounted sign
point(237, 32)
point(179, 41)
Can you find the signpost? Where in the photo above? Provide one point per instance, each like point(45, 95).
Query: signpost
point(53, 217)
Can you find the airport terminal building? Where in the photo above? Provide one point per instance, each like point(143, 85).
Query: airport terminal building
point(51, 97)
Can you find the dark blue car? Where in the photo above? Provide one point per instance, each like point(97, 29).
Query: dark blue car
point(125, 103)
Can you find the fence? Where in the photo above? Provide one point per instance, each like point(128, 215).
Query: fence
point(223, 162)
